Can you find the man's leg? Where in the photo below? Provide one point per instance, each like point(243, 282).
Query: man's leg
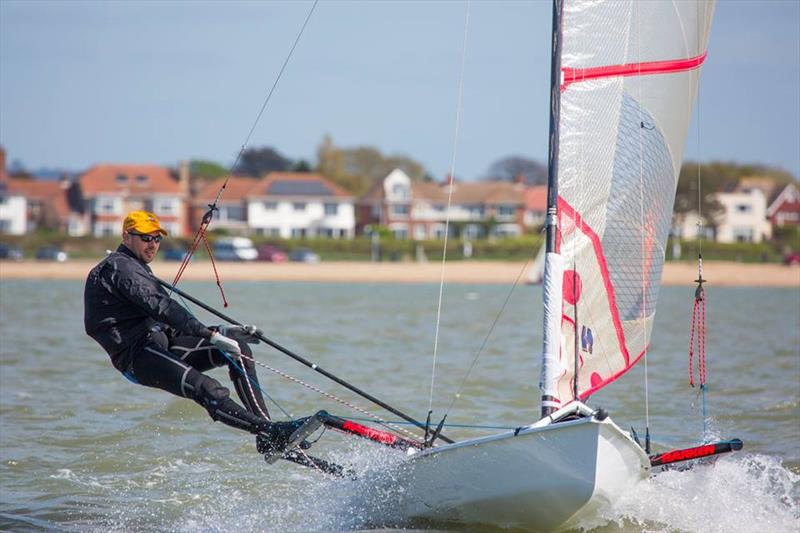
point(154, 366)
point(202, 355)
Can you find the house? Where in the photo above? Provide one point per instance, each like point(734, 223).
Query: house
point(110, 191)
point(744, 218)
point(784, 209)
point(231, 206)
point(28, 204)
point(13, 205)
point(535, 206)
point(50, 204)
point(299, 204)
point(418, 210)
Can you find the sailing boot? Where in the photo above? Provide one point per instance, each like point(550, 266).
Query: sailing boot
point(273, 437)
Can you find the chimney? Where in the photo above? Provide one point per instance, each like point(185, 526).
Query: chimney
point(183, 178)
point(519, 179)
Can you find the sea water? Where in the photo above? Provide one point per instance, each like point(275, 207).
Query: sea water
point(82, 449)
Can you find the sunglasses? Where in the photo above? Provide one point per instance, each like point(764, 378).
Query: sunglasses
point(148, 238)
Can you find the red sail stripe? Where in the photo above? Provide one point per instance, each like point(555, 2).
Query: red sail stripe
point(575, 75)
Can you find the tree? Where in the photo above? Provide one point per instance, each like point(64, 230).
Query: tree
point(508, 168)
point(358, 169)
point(256, 162)
point(206, 170)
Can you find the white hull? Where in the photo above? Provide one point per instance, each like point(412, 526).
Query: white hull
point(542, 478)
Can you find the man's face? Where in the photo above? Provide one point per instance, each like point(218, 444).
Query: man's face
point(145, 251)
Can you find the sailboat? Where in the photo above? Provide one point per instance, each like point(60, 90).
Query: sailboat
point(624, 76)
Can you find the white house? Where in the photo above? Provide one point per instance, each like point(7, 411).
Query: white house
point(744, 218)
point(13, 211)
point(299, 204)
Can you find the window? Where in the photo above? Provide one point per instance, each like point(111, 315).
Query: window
point(105, 205)
point(505, 210)
point(270, 206)
point(298, 232)
point(164, 206)
point(400, 191)
point(299, 206)
point(325, 232)
point(400, 210)
point(476, 211)
point(3, 200)
point(743, 208)
point(439, 208)
point(269, 232)
point(234, 213)
point(419, 232)
point(400, 233)
point(141, 179)
point(121, 179)
point(743, 234)
point(331, 209)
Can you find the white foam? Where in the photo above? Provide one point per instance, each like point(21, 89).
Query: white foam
point(740, 493)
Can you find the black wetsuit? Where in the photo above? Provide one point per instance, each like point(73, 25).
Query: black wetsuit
point(155, 342)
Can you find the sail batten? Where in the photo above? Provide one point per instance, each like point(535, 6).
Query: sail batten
point(629, 74)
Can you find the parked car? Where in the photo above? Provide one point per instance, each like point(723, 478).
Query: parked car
point(235, 249)
point(51, 253)
point(271, 253)
point(792, 259)
point(174, 254)
point(303, 255)
point(12, 253)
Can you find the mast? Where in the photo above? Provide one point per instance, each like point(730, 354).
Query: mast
point(553, 268)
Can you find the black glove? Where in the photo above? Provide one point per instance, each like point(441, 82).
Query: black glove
point(246, 333)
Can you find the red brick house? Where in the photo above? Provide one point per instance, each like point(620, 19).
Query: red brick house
point(110, 191)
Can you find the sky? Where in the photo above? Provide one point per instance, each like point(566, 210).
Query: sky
point(159, 82)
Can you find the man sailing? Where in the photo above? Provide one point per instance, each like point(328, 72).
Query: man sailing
point(153, 341)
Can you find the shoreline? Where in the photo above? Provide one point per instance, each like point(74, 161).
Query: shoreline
point(718, 273)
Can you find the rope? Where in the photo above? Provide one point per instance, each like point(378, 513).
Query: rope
point(643, 227)
point(202, 230)
point(451, 185)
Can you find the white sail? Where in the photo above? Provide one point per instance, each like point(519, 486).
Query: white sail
point(629, 78)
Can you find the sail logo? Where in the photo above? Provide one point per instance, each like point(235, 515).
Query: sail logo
point(587, 339)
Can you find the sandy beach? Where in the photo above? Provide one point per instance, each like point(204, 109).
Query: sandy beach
point(718, 273)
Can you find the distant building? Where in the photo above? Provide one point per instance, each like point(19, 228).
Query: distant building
point(418, 210)
point(231, 211)
point(300, 204)
point(744, 218)
point(110, 191)
point(13, 205)
point(535, 206)
point(784, 209)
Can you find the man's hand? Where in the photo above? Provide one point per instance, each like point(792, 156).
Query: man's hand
point(226, 344)
point(248, 334)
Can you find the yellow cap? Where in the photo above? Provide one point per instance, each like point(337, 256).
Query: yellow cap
point(142, 222)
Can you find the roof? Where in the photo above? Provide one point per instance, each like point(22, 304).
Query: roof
point(297, 184)
point(237, 189)
point(52, 192)
point(787, 198)
point(128, 179)
point(765, 184)
point(478, 192)
point(536, 198)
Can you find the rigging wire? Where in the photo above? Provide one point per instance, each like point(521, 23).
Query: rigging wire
point(644, 228)
point(451, 186)
point(207, 218)
point(699, 308)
